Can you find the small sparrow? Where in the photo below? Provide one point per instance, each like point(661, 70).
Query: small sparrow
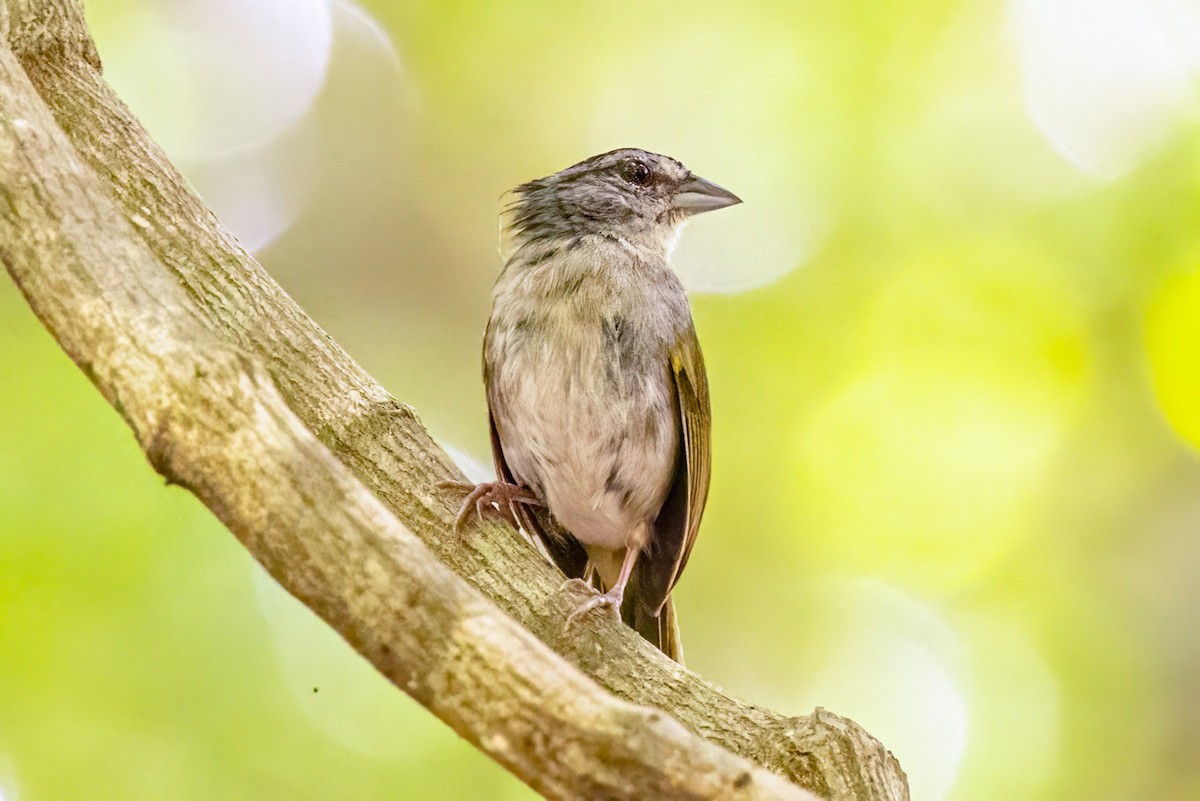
point(596, 387)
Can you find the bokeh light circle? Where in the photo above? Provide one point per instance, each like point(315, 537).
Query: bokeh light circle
point(726, 115)
point(210, 76)
point(8, 780)
point(229, 89)
point(890, 662)
point(1107, 81)
point(256, 192)
point(1016, 709)
point(1173, 348)
point(925, 464)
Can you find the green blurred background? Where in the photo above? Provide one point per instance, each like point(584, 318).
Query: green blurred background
point(952, 334)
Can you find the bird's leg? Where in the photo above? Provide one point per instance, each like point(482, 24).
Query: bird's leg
point(614, 596)
point(491, 499)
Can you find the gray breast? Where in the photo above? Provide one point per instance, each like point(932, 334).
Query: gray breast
point(578, 383)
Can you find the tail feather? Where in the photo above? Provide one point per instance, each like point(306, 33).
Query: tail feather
point(662, 631)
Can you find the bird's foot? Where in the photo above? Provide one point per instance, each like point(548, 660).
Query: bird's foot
point(495, 499)
point(612, 598)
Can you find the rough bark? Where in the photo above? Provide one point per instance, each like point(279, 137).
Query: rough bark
point(237, 395)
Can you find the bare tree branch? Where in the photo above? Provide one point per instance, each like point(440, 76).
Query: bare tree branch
point(236, 394)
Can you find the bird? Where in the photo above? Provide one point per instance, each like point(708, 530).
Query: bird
point(597, 395)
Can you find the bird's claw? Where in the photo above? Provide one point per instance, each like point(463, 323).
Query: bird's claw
point(612, 598)
point(490, 499)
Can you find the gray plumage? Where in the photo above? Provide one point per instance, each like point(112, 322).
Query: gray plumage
point(577, 383)
point(595, 383)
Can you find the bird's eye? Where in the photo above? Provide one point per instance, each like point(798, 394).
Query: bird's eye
point(636, 172)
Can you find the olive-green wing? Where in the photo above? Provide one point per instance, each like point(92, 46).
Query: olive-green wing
point(678, 523)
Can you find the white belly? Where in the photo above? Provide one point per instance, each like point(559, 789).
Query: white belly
point(599, 447)
point(579, 386)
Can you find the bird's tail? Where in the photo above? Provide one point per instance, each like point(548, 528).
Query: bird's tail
point(661, 631)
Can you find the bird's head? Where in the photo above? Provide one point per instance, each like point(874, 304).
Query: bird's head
point(628, 194)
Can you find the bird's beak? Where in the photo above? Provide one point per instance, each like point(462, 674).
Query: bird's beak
point(696, 195)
